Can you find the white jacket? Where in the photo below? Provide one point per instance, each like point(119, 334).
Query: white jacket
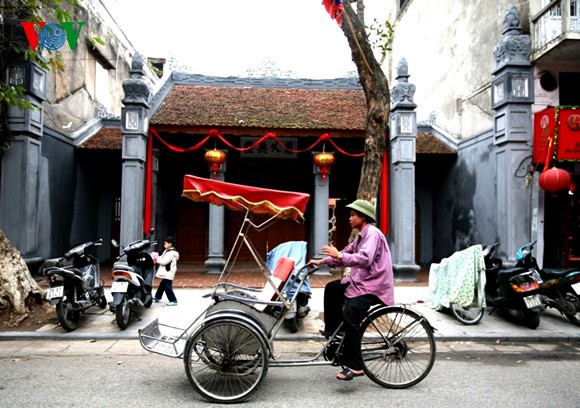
point(169, 257)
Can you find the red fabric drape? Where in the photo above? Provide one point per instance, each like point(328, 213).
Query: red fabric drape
point(385, 194)
point(214, 133)
point(148, 186)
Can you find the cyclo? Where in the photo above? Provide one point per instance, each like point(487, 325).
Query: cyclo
point(229, 347)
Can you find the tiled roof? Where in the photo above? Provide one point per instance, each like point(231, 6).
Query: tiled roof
point(258, 107)
point(107, 138)
point(110, 138)
point(427, 143)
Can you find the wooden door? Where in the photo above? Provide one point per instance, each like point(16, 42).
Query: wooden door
point(192, 231)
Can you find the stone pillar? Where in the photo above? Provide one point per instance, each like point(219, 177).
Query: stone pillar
point(403, 134)
point(512, 98)
point(215, 261)
point(134, 128)
point(320, 217)
point(20, 181)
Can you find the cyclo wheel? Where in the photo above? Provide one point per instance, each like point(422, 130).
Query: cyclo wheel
point(398, 347)
point(226, 360)
point(467, 315)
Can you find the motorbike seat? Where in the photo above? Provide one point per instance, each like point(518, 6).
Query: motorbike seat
point(123, 267)
point(507, 273)
point(550, 273)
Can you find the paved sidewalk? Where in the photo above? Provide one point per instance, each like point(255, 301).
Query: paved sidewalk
point(99, 324)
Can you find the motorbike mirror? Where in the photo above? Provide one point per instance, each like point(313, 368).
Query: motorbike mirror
point(114, 243)
point(151, 232)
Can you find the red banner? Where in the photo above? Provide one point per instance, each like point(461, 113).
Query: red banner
point(544, 126)
point(568, 136)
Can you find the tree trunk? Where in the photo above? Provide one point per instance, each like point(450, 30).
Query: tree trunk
point(16, 282)
point(376, 89)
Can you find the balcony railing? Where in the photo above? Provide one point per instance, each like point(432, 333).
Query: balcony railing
point(557, 18)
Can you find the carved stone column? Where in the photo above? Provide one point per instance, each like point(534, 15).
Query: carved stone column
point(403, 129)
point(215, 261)
point(512, 98)
point(21, 162)
point(134, 127)
point(320, 217)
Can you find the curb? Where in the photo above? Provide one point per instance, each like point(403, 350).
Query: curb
point(284, 337)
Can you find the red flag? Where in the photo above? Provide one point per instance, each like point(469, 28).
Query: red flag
point(335, 9)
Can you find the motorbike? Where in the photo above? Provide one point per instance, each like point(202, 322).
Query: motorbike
point(560, 288)
point(75, 284)
point(133, 275)
point(515, 292)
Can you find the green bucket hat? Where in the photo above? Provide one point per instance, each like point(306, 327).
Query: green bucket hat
point(364, 207)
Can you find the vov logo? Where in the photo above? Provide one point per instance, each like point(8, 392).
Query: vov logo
point(52, 36)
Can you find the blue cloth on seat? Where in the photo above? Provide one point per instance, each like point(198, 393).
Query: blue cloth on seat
point(295, 250)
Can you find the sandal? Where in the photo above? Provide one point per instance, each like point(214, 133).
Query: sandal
point(347, 374)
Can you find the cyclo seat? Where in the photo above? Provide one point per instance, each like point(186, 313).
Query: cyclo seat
point(279, 277)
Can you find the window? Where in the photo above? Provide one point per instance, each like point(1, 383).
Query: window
point(102, 91)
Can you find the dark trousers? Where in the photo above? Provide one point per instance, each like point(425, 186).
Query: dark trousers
point(165, 286)
point(350, 311)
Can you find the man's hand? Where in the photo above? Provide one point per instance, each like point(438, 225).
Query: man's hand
point(315, 262)
point(332, 251)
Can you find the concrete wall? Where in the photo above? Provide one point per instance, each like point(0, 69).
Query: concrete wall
point(449, 48)
point(92, 76)
point(464, 203)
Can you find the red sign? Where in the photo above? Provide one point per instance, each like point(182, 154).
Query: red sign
point(568, 134)
point(544, 125)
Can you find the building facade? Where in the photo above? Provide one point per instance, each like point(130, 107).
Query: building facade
point(482, 70)
point(50, 196)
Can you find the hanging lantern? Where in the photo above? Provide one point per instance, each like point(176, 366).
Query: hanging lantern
point(555, 179)
point(215, 158)
point(324, 161)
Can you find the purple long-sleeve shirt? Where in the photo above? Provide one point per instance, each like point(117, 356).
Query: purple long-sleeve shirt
point(369, 258)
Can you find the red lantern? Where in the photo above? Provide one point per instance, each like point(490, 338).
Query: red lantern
point(323, 161)
point(215, 158)
point(554, 180)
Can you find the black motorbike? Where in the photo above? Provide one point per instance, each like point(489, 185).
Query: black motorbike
point(133, 275)
point(515, 292)
point(75, 284)
point(560, 288)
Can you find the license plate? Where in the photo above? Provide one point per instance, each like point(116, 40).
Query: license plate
point(532, 301)
point(576, 287)
point(55, 292)
point(119, 287)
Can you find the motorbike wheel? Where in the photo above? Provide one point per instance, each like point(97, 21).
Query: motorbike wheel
point(148, 300)
point(67, 317)
point(573, 301)
point(123, 314)
point(531, 319)
point(102, 302)
point(292, 324)
point(467, 315)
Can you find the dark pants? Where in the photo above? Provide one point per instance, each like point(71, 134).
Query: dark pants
point(355, 309)
point(165, 286)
